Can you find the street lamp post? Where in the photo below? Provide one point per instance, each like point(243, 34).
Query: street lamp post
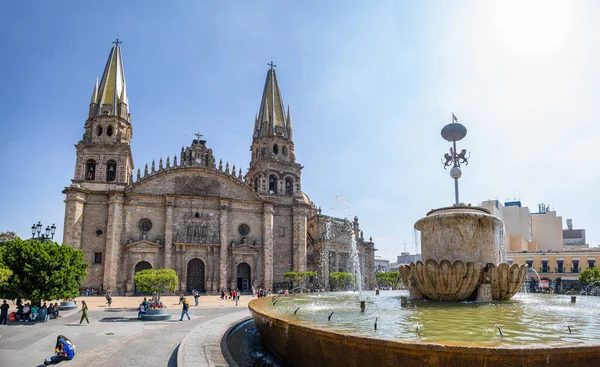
point(36, 229)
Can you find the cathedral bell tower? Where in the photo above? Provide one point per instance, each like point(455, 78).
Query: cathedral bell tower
point(104, 153)
point(273, 168)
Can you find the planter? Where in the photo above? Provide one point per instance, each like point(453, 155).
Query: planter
point(156, 314)
point(66, 306)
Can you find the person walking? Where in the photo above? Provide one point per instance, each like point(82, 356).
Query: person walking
point(181, 298)
point(196, 296)
point(108, 299)
point(83, 311)
point(4, 312)
point(184, 309)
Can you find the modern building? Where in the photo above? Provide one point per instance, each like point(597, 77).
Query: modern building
point(557, 270)
point(405, 258)
point(381, 264)
point(547, 230)
point(555, 256)
point(573, 237)
point(217, 226)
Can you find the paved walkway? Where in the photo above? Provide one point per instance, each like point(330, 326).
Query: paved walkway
point(116, 338)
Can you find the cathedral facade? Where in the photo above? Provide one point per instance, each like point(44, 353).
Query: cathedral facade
point(217, 227)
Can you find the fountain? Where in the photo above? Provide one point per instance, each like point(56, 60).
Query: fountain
point(459, 310)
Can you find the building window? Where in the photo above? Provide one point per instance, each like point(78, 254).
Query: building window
point(145, 225)
point(90, 170)
point(99, 232)
point(560, 268)
point(99, 130)
point(284, 151)
point(109, 130)
point(275, 149)
point(272, 184)
point(243, 229)
point(111, 171)
point(289, 186)
point(97, 257)
point(575, 267)
point(591, 264)
point(281, 231)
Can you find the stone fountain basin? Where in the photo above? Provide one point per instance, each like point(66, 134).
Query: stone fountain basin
point(302, 344)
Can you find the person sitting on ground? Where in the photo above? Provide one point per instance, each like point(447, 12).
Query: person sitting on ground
point(64, 351)
point(55, 311)
point(34, 312)
point(51, 311)
point(26, 312)
point(141, 310)
point(19, 313)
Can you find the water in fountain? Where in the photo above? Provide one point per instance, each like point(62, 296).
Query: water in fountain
point(341, 209)
point(356, 263)
point(535, 319)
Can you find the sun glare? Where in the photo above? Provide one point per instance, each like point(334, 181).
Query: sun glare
point(532, 27)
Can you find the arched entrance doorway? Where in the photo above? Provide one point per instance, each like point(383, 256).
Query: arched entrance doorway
point(195, 275)
point(243, 277)
point(142, 265)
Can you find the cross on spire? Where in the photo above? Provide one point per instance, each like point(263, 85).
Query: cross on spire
point(271, 64)
point(117, 42)
point(198, 135)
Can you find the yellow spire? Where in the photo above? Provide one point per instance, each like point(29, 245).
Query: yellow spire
point(111, 91)
point(271, 118)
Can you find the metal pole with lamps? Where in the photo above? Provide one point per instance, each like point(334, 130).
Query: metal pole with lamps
point(36, 229)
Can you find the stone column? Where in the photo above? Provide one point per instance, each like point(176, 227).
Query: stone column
point(224, 234)
point(113, 236)
point(211, 259)
point(268, 212)
point(73, 225)
point(299, 238)
point(168, 245)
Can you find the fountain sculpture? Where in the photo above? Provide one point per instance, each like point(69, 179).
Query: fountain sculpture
point(464, 251)
point(463, 246)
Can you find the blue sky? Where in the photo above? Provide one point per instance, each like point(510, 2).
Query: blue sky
point(370, 84)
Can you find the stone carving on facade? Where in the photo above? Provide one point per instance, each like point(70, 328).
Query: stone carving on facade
point(197, 186)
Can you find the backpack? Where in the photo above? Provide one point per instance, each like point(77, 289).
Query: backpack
point(186, 303)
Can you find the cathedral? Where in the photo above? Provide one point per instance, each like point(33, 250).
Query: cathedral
point(216, 226)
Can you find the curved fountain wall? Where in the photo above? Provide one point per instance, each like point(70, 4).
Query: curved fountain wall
point(304, 345)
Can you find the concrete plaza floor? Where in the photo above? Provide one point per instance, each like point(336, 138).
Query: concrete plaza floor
point(115, 337)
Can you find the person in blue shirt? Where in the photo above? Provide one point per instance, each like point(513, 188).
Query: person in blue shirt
point(65, 351)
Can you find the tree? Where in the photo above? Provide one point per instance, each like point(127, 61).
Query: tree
point(156, 281)
point(41, 270)
point(5, 274)
point(7, 236)
point(590, 276)
point(389, 279)
point(341, 280)
point(299, 278)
